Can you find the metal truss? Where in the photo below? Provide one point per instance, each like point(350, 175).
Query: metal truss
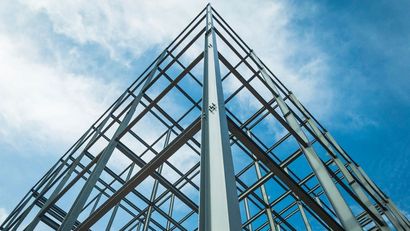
point(206, 138)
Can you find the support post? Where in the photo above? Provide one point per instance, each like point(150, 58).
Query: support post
point(81, 199)
point(350, 179)
point(370, 186)
point(170, 210)
point(265, 198)
point(247, 212)
point(342, 210)
point(71, 169)
point(114, 212)
point(301, 209)
point(219, 206)
point(155, 188)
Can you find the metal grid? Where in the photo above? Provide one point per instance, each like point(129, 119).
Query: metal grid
point(138, 166)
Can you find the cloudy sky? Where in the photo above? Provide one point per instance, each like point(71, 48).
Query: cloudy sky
point(63, 63)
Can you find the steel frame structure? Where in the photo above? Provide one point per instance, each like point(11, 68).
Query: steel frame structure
point(266, 163)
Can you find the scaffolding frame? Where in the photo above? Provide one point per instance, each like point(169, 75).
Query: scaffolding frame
point(267, 164)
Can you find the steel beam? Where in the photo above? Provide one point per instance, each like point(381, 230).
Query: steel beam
point(353, 184)
point(70, 171)
point(219, 190)
point(142, 174)
point(397, 221)
point(272, 225)
point(282, 175)
point(155, 188)
point(343, 211)
point(114, 212)
point(81, 199)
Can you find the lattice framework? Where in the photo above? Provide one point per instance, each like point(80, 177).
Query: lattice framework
point(267, 163)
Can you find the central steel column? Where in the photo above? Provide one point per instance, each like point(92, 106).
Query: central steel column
point(219, 206)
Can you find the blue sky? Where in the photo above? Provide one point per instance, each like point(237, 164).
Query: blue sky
point(62, 64)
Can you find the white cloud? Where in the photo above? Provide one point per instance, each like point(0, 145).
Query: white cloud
point(73, 101)
point(3, 214)
point(406, 214)
point(137, 26)
point(43, 104)
point(118, 26)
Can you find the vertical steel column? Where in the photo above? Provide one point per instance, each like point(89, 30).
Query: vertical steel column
point(219, 206)
point(304, 217)
point(49, 180)
point(319, 202)
point(114, 212)
point(170, 210)
point(96, 203)
point(342, 210)
point(247, 212)
point(368, 184)
point(352, 182)
point(70, 171)
point(265, 198)
point(402, 221)
point(398, 212)
point(155, 187)
point(81, 199)
point(301, 209)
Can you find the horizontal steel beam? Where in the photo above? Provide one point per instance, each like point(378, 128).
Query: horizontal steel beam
point(282, 175)
point(147, 170)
